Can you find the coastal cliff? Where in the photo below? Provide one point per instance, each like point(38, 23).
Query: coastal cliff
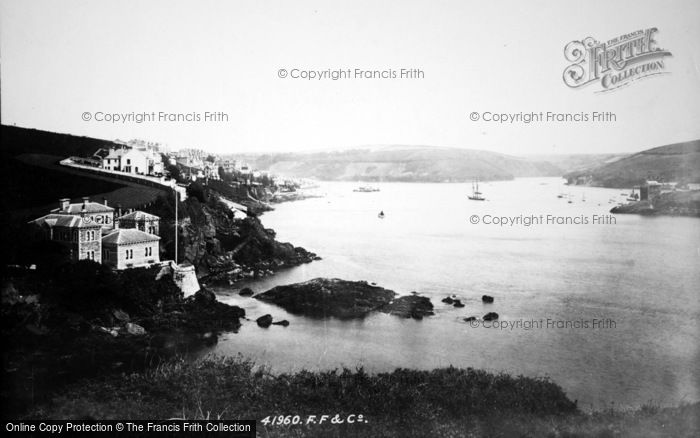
point(678, 162)
point(222, 246)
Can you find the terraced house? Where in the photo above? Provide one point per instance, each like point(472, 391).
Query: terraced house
point(90, 232)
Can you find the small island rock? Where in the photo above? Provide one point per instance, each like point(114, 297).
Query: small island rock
point(490, 316)
point(264, 321)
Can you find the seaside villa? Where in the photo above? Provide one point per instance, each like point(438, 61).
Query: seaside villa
point(89, 231)
point(128, 248)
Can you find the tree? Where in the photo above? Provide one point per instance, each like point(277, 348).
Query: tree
point(174, 172)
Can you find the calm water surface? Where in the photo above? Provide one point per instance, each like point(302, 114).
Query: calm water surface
point(640, 275)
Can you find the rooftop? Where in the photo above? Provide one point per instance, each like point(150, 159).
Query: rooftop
point(127, 236)
point(139, 216)
point(77, 208)
point(64, 220)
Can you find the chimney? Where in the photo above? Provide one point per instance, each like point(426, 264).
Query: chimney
point(119, 210)
point(105, 201)
point(85, 202)
point(83, 210)
point(63, 204)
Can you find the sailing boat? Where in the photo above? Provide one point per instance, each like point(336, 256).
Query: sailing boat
point(381, 215)
point(634, 196)
point(476, 194)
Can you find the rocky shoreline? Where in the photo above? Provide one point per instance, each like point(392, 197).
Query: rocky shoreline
point(667, 204)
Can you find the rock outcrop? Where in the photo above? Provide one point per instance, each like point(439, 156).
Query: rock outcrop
point(225, 249)
point(324, 297)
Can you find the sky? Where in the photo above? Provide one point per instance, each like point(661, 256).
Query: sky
point(61, 60)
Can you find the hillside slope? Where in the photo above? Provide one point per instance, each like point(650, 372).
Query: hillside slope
point(679, 162)
point(402, 163)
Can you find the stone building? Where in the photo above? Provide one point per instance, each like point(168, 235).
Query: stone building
point(90, 232)
point(79, 234)
point(99, 213)
point(130, 248)
point(140, 220)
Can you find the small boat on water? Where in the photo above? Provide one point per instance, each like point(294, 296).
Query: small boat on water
point(633, 196)
point(366, 189)
point(476, 194)
point(381, 215)
point(560, 195)
point(570, 201)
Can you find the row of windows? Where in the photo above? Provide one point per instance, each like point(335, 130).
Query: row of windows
point(148, 251)
point(67, 236)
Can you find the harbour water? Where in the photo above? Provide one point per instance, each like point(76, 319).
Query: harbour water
point(609, 310)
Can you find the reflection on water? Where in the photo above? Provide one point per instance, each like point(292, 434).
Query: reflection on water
point(640, 272)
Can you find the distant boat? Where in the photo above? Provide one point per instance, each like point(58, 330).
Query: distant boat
point(634, 196)
point(381, 215)
point(583, 198)
point(366, 189)
point(476, 194)
point(570, 201)
point(560, 195)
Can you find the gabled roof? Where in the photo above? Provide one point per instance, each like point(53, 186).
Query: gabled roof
point(64, 220)
point(90, 207)
point(128, 236)
point(139, 216)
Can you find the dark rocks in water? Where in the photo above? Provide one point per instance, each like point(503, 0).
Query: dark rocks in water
point(411, 306)
point(204, 296)
point(470, 318)
point(448, 300)
point(490, 316)
point(324, 297)
point(246, 292)
point(199, 313)
point(458, 303)
point(264, 321)
point(487, 298)
point(283, 323)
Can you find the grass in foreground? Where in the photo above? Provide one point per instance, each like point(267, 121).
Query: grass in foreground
point(442, 402)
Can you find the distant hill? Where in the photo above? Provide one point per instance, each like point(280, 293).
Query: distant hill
point(402, 163)
point(679, 162)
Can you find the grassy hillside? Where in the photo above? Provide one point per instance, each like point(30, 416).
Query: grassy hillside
point(16, 141)
point(447, 402)
point(402, 163)
point(678, 162)
point(33, 180)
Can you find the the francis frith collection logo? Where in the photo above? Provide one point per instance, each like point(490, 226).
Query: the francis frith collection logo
point(616, 62)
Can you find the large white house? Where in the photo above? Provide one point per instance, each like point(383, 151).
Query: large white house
point(134, 160)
